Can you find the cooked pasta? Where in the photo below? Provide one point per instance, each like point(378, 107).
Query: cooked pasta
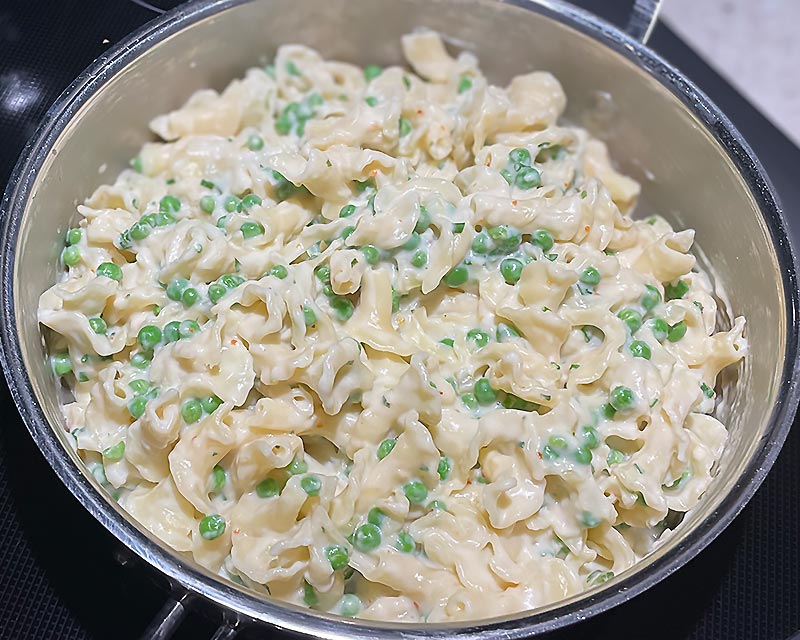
point(388, 343)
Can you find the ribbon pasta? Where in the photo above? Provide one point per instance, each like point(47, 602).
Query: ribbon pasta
point(388, 343)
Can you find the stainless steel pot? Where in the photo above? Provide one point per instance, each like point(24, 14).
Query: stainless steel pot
point(694, 166)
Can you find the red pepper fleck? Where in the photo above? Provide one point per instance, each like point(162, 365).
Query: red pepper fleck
point(539, 453)
point(514, 202)
point(234, 341)
point(586, 228)
point(419, 112)
point(236, 532)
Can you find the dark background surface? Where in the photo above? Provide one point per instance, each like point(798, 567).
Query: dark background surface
point(58, 574)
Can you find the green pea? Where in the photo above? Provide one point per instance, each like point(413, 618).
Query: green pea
point(651, 298)
point(347, 232)
point(505, 239)
point(297, 467)
point(528, 178)
point(448, 342)
point(140, 361)
point(436, 505)
point(511, 270)
point(337, 555)
point(615, 457)
point(310, 597)
point(311, 484)
point(279, 271)
point(139, 387)
point(443, 469)
point(372, 71)
point(149, 336)
point(708, 392)
point(367, 537)
point(412, 242)
point(405, 542)
point(176, 288)
point(395, 301)
point(172, 331)
point(660, 328)
point(676, 291)
point(375, 516)
point(73, 236)
point(255, 143)
point(190, 296)
point(479, 337)
point(343, 308)
point(458, 227)
point(349, 605)
point(507, 176)
point(231, 280)
point(484, 392)
point(218, 478)
point(590, 276)
point(221, 222)
point(423, 221)
point(110, 270)
point(251, 229)
point(251, 200)
point(140, 230)
point(98, 325)
point(71, 256)
point(216, 292)
point(420, 258)
point(505, 332)
point(210, 403)
point(583, 455)
point(405, 127)
point(347, 211)
point(543, 239)
point(521, 156)
point(309, 317)
point(371, 254)
point(323, 273)
point(188, 328)
point(163, 219)
point(115, 452)
point(557, 442)
point(621, 398)
point(632, 318)
point(510, 401)
point(480, 243)
point(550, 453)
point(268, 488)
point(362, 185)
point(608, 411)
point(640, 349)
point(590, 437)
point(207, 204)
point(415, 491)
point(465, 84)
point(169, 205)
point(385, 448)
point(589, 520)
point(212, 527)
point(191, 411)
point(470, 401)
point(456, 277)
point(676, 331)
point(372, 101)
point(124, 240)
point(231, 204)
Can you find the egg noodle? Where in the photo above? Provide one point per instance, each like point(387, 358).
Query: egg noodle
point(389, 343)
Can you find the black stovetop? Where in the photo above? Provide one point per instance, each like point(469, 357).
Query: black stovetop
point(58, 574)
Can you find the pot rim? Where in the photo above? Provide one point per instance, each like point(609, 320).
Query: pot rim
point(295, 619)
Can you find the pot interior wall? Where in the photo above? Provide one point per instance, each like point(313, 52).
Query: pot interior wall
point(685, 173)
